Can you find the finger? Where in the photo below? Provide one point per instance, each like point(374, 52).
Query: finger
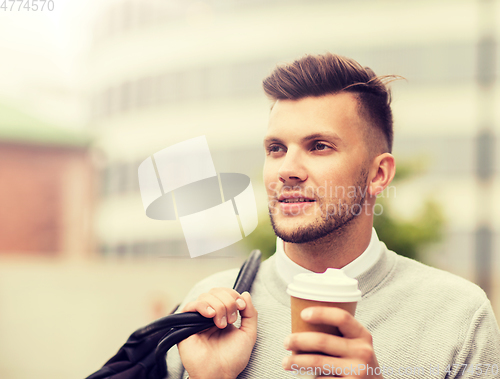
point(220, 318)
point(347, 324)
point(189, 307)
point(234, 294)
point(200, 306)
point(229, 300)
point(240, 303)
point(249, 316)
point(318, 342)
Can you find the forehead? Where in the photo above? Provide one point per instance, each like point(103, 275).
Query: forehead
point(330, 114)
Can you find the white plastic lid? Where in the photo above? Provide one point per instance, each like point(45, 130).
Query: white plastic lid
point(331, 286)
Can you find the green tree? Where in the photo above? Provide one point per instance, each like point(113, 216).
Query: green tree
point(262, 238)
point(409, 237)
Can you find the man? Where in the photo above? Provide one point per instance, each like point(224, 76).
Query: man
point(328, 156)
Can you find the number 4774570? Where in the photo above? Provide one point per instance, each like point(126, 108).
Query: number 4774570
point(27, 5)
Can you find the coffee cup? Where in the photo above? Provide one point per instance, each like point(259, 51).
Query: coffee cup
point(332, 288)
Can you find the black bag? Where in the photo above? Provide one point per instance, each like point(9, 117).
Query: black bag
point(143, 355)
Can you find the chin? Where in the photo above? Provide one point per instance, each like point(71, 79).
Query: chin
point(290, 224)
point(296, 230)
point(298, 236)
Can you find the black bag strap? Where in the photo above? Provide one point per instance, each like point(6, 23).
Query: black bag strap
point(162, 334)
point(247, 273)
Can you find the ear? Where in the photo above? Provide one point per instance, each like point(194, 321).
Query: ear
point(381, 174)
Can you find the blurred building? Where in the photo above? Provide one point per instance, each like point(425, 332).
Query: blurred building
point(46, 188)
point(152, 84)
point(73, 309)
point(160, 73)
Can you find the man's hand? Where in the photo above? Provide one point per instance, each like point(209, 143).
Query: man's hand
point(327, 352)
point(223, 351)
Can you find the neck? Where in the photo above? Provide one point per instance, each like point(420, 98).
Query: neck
point(334, 250)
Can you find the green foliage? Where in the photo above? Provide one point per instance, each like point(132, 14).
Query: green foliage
point(262, 238)
point(408, 237)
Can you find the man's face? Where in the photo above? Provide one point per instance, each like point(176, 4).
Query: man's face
point(315, 149)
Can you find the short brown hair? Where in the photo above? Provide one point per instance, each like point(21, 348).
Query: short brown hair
point(318, 75)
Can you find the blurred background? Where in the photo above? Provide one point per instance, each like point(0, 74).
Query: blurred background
point(88, 90)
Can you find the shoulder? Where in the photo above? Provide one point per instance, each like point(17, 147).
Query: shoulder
point(220, 279)
point(435, 284)
point(461, 312)
point(226, 279)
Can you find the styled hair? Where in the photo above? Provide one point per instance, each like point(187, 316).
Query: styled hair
point(318, 75)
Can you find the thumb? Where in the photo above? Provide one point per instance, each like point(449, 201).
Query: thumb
point(248, 316)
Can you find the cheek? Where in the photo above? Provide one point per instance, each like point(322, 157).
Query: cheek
point(271, 186)
point(269, 179)
point(332, 184)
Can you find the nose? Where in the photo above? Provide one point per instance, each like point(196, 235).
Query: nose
point(292, 170)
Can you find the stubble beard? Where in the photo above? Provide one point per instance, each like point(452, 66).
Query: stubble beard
point(329, 222)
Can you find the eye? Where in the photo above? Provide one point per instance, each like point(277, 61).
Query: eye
point(321, 146)
point(274, 149)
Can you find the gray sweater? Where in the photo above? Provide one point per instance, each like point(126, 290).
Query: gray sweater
point(422, 319)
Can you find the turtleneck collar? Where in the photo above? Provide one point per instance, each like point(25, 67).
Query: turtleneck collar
point(287, 268)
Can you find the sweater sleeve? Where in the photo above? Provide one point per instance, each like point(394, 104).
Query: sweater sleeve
point(481, 348)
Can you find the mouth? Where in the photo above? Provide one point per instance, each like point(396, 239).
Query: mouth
point(296, 200)
point(294, 203)
point(294, 206)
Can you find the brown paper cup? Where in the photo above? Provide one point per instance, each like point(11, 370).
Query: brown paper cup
point(299, 325)
point(329, 289)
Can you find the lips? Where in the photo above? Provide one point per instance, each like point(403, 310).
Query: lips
point(294, 204)
point(299, 200)
point(294, 197)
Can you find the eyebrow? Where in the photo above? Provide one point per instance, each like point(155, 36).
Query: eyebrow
point(324, 136)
